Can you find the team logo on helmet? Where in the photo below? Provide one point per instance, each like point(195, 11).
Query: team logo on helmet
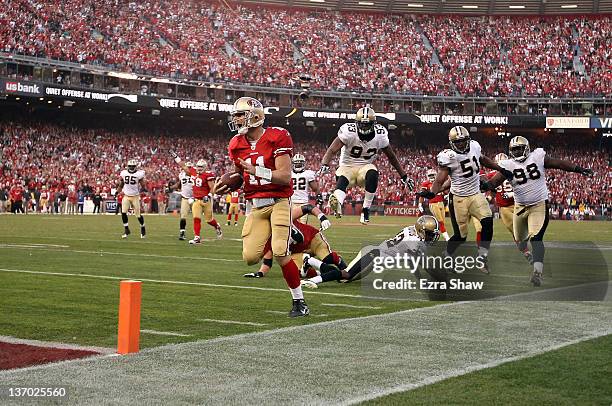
point(459, 139)
point(519, 148)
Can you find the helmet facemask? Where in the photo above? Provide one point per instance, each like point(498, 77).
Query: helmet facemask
point(240, 121)
point(299, 165)
point(519, 152)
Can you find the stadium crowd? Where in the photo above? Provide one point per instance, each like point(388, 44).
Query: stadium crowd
point(481, 56)
point(66, 166)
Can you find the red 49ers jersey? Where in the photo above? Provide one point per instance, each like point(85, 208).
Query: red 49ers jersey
point(200, 182)
point(234, 197)
point(427, 186)
point(309, 233)
point(273, 143)
point(505, 187)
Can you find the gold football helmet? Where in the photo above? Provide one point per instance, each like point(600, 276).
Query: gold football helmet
point(131, 165)
point(500, 157)
point(365, 120)
point(299, 163)
point(431, 174)
point(427, 228)
point(459, 139)
point(246, 113)
point(201, 166)
point(519, 148)
point(189, 164)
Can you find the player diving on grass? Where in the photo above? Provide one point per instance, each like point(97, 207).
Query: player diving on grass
point(359, 143)
point(412, 240)
point(530, 216)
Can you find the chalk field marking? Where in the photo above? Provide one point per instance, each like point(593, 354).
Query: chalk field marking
point(467, 370)
point(53, 344)
point(164, 333)
point(127, 254)
point(285, 313)
point(350, 306)
point(210, 285)
point(246, 323)
point(33, 246)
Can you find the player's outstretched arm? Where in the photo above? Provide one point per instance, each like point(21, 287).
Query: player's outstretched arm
point(567, 166)
point(394, 161)
point(280, 176)
point(492, 183)
point(334, 147)
point(491, 164)
point(178, 160)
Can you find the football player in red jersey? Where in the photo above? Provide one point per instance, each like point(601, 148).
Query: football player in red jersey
point(436, 204)
point(504, 200)
point(263, 157)
point(203, 182)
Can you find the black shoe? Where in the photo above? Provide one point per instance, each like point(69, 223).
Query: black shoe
point(126, 233)
point(182, 236)
point(365, 216)
point(299, 309)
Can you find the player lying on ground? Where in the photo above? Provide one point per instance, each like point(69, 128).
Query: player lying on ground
point(296, 212)
point(530, 217)
point(411, 240)
point(360, 143)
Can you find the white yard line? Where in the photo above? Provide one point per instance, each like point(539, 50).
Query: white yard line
point(246, 323)
point(33, 246)
point(164, 333)
point(211, 285)
point(52, 344)
point(349, 306)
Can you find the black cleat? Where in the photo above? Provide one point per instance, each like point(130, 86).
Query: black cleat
point(365, 216)
point(126, 233)
point(182, 236)
point(299, 309)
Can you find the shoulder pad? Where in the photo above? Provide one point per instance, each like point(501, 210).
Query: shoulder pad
point(445, 157)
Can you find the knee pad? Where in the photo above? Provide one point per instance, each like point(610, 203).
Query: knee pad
point(342, 183)
point(371, 181)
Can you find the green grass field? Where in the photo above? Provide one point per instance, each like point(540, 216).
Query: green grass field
point(59, 281)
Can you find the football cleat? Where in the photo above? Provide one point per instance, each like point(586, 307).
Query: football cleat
point(299, 309)
point(236, 224)
point(305, 265)
point(365, 216)
point(536, 278)
point(334, 206)
point(307, 283)
point(528, 257)
point(229, 223)
point(485, 266)
point(257, 274)
point(126, 233)
point(182, 236)
point(196, 240)
point(219, 233)
point(143, 236)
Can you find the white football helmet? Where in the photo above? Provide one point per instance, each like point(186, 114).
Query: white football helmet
point(459, 139)
point(299, 163)
point(519, 148)
point(246, 113)
point(500, 157)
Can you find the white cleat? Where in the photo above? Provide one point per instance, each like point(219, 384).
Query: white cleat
point(196, 240)
point(307, 283)
point(124, 236)
point(143, 236)
point(219, 233)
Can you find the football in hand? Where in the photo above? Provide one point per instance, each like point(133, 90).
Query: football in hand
point(232, 181)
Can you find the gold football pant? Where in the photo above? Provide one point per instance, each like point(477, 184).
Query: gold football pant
point(506, 214)
point(355, 174)
point(319, 248)
point(131, 201)
point(263, 223)
point(185, 207)
point(464, 207)
point(530, 222)
point(200, 207)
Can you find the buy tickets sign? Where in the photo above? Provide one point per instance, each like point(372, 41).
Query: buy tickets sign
point(401, 210)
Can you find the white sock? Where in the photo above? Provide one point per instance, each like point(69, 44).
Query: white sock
point(445, 235)
point(368, 199)
point(297, 293)
point(315, 263)
point(317, 279)
point(538, 267)
point(340, 195)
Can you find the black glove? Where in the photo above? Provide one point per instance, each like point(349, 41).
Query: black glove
point(174, 154)
point(426, 194)
point(409, 183)
point(323, 169)
point(507, 174)
point(319, 199)
point(584, 171)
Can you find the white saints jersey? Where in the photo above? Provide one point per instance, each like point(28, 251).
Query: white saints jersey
point(131, 185)
point(356, 152)
point(301, 185)
point(464, 169)
point(406, 241)
point(529, 180)
point(186, 185)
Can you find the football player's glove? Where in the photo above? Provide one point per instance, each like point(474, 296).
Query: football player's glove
point(584, 171)
point(257, 274)
point(319, 199)
point(421, 209)
point(407, 182)
point(325, 224)
point(507, 174)
point(427, 194)
point(323, 169)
